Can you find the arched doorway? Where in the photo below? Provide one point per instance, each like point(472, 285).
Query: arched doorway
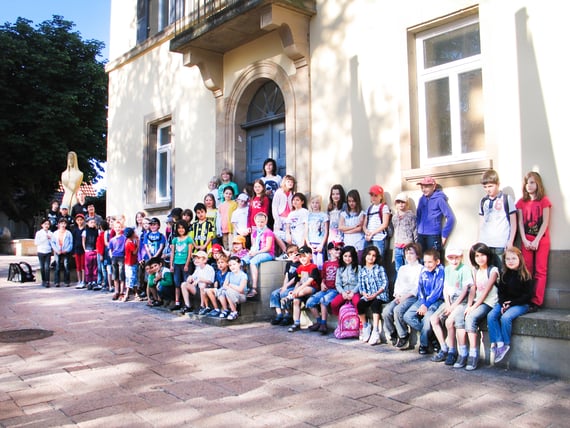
point(265, 131)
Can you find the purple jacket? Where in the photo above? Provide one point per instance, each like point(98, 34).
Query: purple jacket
point(430, 214)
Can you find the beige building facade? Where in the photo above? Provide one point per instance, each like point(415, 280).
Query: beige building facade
point(340, 91)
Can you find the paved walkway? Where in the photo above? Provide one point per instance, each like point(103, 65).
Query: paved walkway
point(124, 364)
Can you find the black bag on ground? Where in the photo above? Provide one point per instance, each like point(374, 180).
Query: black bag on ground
point(20, 272)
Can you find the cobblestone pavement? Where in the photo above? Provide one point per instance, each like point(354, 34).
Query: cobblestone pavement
point(124, 364)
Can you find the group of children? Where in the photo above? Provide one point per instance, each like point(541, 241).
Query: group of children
point(333, 257)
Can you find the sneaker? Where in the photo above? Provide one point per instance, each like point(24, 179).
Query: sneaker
point(185, 309)
point(374, 338)
point(315, 327)
point(451, 358)
point(323, 329)
point(532, 308)
point(501, 352)
point(282, 257)
point(424, 350)
point(90, 286)
point(97, 287)
point(294, 328)
point(461, 362)
point(56, 285)
point(232, 316)
point(435, 346)
point(287, 320)
point(174, 307)
point(204, 310)
point(439, 357)
point(224, 314)
point(215, 313)
point(402, 342)
point(472, 363)
point(393, 339)
point(365, 333)
point(277, 320)
point(80, 286)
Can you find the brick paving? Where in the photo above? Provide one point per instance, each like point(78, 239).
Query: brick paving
point(124, 364)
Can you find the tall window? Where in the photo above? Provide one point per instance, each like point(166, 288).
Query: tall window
point(158, 180)
point(450, 93)
point(153, 16)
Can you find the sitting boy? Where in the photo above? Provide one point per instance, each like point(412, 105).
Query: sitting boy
point(160, 282)
point(278, 298)
point(308, 284)
point(202, 278)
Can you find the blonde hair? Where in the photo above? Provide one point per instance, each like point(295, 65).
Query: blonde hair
point(317, 198)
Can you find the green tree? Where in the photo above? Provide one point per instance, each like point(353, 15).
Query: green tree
point(53, 99)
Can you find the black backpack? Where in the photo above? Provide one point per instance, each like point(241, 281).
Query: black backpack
point(20, 272)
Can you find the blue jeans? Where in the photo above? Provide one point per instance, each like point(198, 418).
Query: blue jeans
point(393, 316)
point(45, 265)
point(501, 325)
point(399, 258)
point(324, 297)
point(62, 260)
point(101, 271)
point(381, 245)
point(474, 318)
point(421, 323)
point(179, 275)
point(276, 296)
point(430, 241)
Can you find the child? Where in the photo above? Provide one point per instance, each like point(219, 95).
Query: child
point(351, 222)
point(160, 282)
point(405, 290)
point(213, 184)
point(328, 291)
point(103, 260)
point(373, 289)
point(308, 282)
point(259, 203)
point(432, 209)
point(131, 261)
point(317, 230)
point(429, 297)
point(337, 204)
point(89, 243)
point(43, 245)
point(226, 177)
point(262, 249)
point(53, 215)
point(62, 245)
point(405, 229)
point(202, 278)
point(142, 257)
point(240, 216)
point(278, 298)
point(458, 279)
point(296, 225)
point(211, 213)
point(78, 250)
point(219, 278)
point(270, 178)
point(225, 211)
point(515, 290)
point(346, 284)
point(201, 230)
point(155, 241)
point(498, 217)
point(534, 219)
point(482, 297)
point(117, 254)
point(377, 219)
point(187, 216)
point(232, 292)
point(238, 247)
point(181, 250)
point(281, 207)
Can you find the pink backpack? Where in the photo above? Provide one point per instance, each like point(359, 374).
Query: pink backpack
point(348, 322)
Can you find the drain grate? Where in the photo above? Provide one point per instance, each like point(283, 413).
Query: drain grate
point(24, 335)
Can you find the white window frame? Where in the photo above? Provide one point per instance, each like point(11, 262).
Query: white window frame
point(451, 70)
point(161, 149)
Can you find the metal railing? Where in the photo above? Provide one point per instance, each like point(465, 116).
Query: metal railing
point(199, 10)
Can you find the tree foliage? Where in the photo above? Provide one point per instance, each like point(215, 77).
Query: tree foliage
point(53, 99)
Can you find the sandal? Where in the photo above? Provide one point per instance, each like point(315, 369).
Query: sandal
point(252, 292)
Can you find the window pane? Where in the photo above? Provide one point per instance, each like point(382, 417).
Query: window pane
point(452, 46)
point(438, 118)
point(471, 102)
point(164, 136)
point(162, 177)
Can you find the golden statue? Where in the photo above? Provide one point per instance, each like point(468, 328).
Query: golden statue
point(71, 180)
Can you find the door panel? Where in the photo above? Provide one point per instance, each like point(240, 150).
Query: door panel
point(265, 141)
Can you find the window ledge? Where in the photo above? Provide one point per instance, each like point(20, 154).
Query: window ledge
point(156, 208)
point(456, 174)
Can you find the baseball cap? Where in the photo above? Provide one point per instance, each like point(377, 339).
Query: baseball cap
point(305, 250)
point(129, 231)
point(201, 254)
point(154, 220)
point(375, 189)
point(427, 181)
point(64, 207)
point(453, 252)
point(79, 215)
point(335, 244)
point(239, 240)
point(401, 197)
point(243, 197)
point(217, 248)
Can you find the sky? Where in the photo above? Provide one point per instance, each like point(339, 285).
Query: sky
point(91, 17)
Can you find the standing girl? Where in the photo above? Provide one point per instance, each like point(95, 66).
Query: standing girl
point(337, 204)
point(347, 280)
point(226, 177)
point(270, 178)
point(317, 230)
point(405, 230)
point(373, 286)
point(482, 298)
point(281, 207)
point(534, 219)
point(377, 219)
point(351, 222)
point(181, 257)
point(212, 216)
point(515, 291)
point(225, 211)
point(296, 227)
point(259, 203)
point(43, 245)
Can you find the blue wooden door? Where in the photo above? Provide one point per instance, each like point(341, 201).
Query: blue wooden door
point(265, 141)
